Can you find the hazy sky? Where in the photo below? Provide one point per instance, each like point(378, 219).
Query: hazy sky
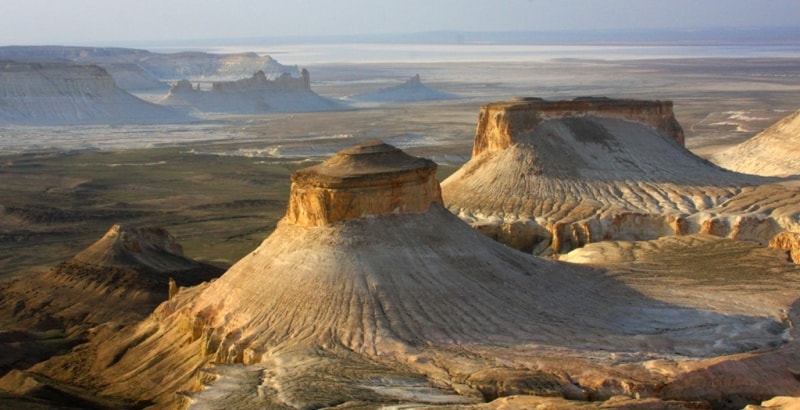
point(105, 22)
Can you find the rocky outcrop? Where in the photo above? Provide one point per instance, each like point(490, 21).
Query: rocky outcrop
point(254, 95)
point(63, 94)
point(119, 278)
point(789, 241)
point(546, 179)
point(396, 299)
point(774, 151)
point(411, 90)
point(500, 125)
point(370, 179)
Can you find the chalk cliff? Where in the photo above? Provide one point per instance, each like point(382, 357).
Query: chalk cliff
point(548, 177)
point(64, 93)
point(369, 292)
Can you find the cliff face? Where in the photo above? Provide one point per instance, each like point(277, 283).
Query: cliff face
point(549, 177)
point(500, 124)
point(370, 179)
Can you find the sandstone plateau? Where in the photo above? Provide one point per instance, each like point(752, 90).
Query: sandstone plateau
point(551, 176)
point(116, 281)
point(369, 294)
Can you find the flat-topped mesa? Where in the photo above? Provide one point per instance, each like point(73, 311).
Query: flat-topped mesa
point(369, 179)
point(501, 123)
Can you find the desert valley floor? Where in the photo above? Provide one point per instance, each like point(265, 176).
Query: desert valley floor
point(701, 320)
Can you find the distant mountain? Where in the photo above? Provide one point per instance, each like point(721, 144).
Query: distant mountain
point(409, 91)
point(163, 66)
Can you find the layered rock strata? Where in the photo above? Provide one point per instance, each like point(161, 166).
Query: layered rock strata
point(369, 292)
point(548, 177)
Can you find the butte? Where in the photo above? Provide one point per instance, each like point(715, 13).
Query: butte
point(370, 293)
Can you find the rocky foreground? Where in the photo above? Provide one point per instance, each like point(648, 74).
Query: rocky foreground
point(550, 176)
point(369, 293)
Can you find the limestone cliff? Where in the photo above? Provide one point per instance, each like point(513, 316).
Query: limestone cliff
point(370, 179)
point(548, 177)
point(501, 124)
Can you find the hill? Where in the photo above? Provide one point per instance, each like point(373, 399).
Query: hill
point(69, 94)
point(551, 176)
point(774, 151)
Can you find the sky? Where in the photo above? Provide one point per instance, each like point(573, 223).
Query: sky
point(110, 22)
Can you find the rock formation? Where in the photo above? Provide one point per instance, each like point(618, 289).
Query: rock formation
point(120, 278)
point(369, 292)
point(548, 177)
point(409, 91)
point(774, 151)
point(254, 95)
point(64, 94)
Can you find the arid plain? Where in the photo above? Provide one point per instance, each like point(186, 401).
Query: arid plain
point(221, 185)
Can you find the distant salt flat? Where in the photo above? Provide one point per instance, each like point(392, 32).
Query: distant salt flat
point(309, 54)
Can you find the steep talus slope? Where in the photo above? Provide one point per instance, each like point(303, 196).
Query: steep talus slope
point(121, 278)
point(411, 90)
point(370, 292)
point(553, 176)
point(253, 95)
point(65, 94)
point(774, 151)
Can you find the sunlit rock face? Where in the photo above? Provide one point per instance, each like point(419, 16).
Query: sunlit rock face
point(774, 151)
point(548, 177)
point(369, 292)
point(63, 94)
point(500, 125)
point(370, 179)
